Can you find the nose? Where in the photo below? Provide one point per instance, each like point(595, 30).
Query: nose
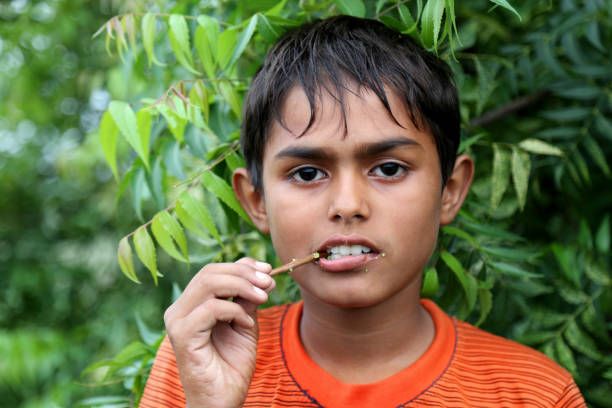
point(348, 199)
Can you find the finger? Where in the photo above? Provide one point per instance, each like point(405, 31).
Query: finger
point(206, 316)
point(222, 286)
point(261, 269)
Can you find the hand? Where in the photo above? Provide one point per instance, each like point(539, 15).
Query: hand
point(214, 338)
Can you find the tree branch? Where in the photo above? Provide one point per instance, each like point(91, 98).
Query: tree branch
point(508, 109)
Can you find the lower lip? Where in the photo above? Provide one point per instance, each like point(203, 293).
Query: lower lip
point(346, 263)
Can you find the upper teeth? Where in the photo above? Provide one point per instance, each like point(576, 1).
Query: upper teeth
point(344, 250)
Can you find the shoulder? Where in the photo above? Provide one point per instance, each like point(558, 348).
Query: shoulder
point(476, 344)
point(509, 370)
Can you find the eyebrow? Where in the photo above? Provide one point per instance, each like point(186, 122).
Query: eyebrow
point(367, 150)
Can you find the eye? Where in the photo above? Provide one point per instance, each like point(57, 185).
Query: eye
point(389, 170)
point(307, 175)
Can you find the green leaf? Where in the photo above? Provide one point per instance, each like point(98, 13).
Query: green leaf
point(567, 114)
point(593, 35)
point(566, 257)
point(229, 93)
point(430, 283)
point(148, 37)
point(139, 191)
point(171, 155)
point(466, 280)
point(145, 249)
point(604, 126)
point(485, 300)
point(126, 262)
point(507, 6)
point(108, 139)
point(512, 270)
point(461, 234)
point(354, 8)
point(565, 356)
point(155, 183)
point(431, 21)
point(516, 254)
point(585, 239)
point(521, 166)
point(165, 228)
point(175, 123)
point(598, 156)
point(580, 341)
point(179, 41)
point(223, 191)
point(243, 41)
point(205, 50)
point(198, 95)
point(535, 338)
point(268, 30)
point(234, 161)
point(143, 121)
point(126, 121)
point(582, 92)
point(191, 211)
point(211, 31)
point(500, 176)
point(464, 145)
point(540, 147)
point(407, 18)
point(602, 237)
point(225, 48)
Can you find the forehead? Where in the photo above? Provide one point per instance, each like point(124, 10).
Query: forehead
point(365, 120)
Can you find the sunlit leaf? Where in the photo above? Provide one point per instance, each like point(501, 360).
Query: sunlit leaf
point(430, 283)
point(243, 41)
point(108, 139)
point(223, 191)
point(229, 93)
point(500, 177)
point(148, 38)
point(179, 41)
point(540, 147)
point(162, 235)
point(431, 21)
point(507, 6)
point(521, 167)
point(351, 7)
point(190, 210)
point(145, 249)
point(126, 262)
point(126, 121)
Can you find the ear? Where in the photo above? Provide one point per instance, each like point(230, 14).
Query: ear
point(251, 200)
point(456, 188)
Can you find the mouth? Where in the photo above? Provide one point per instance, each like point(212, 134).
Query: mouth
point(346, 253)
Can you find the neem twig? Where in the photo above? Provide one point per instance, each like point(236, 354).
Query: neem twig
point(288, 267)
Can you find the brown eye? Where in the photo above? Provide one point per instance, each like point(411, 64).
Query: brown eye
point(389, 170)
point(307, 174)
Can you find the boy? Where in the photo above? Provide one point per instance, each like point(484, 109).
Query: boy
point(350, 137)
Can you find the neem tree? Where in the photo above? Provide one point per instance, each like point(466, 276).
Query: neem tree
point(534, 82)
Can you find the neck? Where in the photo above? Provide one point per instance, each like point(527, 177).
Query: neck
point(368, 344)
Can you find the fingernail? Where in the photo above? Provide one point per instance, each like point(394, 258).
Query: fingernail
point(262, 266)
point(263, 277)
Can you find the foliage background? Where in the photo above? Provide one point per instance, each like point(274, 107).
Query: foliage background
point(528, 258)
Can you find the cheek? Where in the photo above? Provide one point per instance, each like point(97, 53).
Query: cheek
point(291, 225)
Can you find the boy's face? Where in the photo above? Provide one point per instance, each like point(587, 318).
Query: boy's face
point(377, 185)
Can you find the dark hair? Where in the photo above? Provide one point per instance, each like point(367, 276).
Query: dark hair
point(340, 51)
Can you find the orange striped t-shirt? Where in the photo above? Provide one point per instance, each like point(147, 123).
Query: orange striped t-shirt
point(463, 367)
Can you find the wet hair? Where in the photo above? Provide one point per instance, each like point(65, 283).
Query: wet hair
point(339, 52)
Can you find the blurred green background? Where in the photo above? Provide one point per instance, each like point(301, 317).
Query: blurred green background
point(64, 303)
